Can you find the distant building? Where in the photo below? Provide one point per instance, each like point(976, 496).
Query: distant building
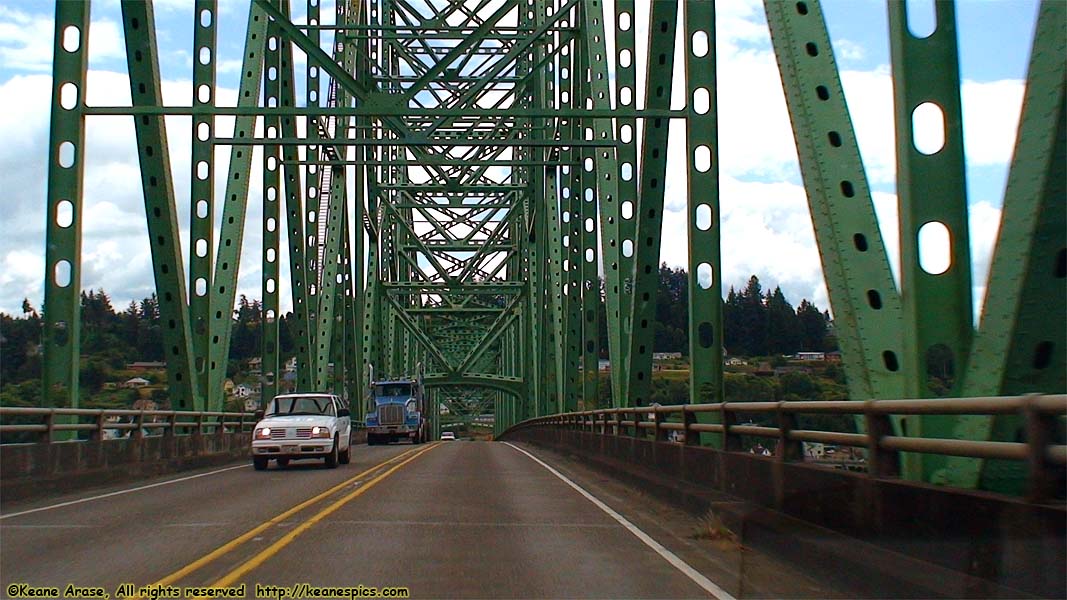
point(252, 403)
point(733, 361)
point(243, 391)
point(136, 382)
point(810, 356)
point(666, 355)
point(255, 366)
point(290, 365)
point(834, 356)
point(146, 365)
point(603, 365)
point(228, 387)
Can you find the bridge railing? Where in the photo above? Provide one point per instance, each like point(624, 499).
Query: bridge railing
point(1041, 416)
point(138, 422)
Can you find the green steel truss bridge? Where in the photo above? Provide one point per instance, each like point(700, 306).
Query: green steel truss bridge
point(450, 180)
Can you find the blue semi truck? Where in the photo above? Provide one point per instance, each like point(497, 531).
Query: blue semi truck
point(397, 410)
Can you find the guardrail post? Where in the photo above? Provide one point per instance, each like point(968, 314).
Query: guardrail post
point(616, 422)
point(49, 424)
point(788, 450)
point(98, 434)
point(730, 442)
point(138, 432)
point(880, 461)
point(172, 429)
point(690, 437)
point(657, 421)
point(1040, 429)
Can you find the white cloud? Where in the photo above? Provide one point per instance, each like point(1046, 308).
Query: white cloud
point(848, 51)
point(26, 40)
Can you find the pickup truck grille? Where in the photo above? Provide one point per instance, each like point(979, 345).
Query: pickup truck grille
point(301, 433)
point(391, 414)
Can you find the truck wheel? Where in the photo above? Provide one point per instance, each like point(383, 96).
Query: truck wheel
point(371, 440)
point(259, 463)
point(331, 458)
point(346, 456)
point(283, 462)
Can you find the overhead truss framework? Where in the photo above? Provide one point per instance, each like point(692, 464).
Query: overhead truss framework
point(456, 185)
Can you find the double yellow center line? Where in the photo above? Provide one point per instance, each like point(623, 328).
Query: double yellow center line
point(258, 559)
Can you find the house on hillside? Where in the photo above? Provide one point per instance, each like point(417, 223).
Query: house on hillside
point(135, 382)
point(146, 366)
point(810, 356)
point(243, 391)
point(734, 361)
point(228, 387)
point(255, 366)
point(666, 355)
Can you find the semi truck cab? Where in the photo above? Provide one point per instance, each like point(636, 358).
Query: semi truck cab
point(395, 411)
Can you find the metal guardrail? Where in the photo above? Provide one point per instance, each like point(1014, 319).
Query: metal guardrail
point(141, 422)
point(154, 422)
point(1039, 414)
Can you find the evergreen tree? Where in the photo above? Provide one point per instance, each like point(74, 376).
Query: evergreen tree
point(783, 327)
point(753, 319)
point(812, 327)
point(731, 321)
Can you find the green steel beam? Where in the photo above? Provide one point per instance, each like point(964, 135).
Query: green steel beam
point(234, 208)
point(61, 338)
point(202, 187)
point(158, 185)
point(605, 165)
point(644, 246)
point(867, 307)
point(931, 192)
point(1020, 346)
point(702, 160)
point(272, 190)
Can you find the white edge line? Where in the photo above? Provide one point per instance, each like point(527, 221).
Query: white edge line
point(118, 493)
point(669, 556)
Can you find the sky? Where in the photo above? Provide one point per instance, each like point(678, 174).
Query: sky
point(765, 224)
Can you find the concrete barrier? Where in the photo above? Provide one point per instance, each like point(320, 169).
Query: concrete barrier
point(38, 470)
point(922, 540)
point(41, 470)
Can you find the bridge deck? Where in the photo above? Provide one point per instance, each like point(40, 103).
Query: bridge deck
point(448, 520)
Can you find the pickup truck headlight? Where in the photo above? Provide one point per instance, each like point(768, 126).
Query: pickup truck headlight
point(320, 432)
point(263, 433)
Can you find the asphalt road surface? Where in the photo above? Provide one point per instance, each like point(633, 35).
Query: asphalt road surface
point(446, 520)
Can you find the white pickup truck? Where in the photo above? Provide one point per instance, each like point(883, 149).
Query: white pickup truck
point(303, 426)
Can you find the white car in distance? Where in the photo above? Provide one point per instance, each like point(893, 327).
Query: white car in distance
point(297, 426)
point(448, 436)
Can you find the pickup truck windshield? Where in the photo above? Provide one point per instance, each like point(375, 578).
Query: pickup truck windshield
point(300, 406)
